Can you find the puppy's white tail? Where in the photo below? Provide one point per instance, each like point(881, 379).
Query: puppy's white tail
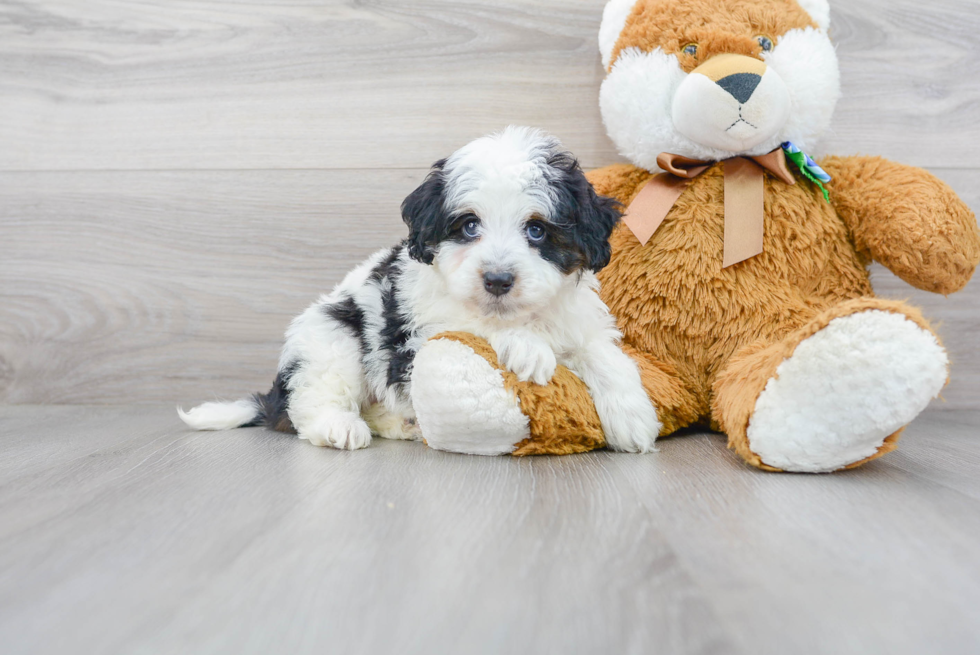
point(221, 416)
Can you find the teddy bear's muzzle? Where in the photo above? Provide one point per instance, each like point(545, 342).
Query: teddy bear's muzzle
point(731, 102)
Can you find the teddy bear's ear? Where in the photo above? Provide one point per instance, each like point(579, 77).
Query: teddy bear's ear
point(819, 11)
point(424, 211)
point(613, 21)
point(616, 13)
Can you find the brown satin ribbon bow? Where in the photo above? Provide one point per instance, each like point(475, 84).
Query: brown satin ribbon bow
point(744, 199)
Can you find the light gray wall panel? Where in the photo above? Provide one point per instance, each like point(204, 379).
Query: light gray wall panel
point(166, 286)
point(207, 84)
point(179, 180)
point(145, 286)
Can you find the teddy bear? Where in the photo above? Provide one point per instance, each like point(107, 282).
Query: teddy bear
point(739, 274)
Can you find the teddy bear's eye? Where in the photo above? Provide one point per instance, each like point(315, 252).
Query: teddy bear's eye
point(765, 43)
point(691, 49)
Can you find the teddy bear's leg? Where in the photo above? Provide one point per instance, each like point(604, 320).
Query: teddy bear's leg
point(461, 402)
point(467, 402)
point(833, 394)
point(677, 406)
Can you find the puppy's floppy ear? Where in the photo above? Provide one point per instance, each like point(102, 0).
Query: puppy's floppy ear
point(425, 214)
point(600, 215)
point(593, 216)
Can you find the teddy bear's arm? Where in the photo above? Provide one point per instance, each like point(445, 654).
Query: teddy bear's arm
point(907, 219)
point(619, 181)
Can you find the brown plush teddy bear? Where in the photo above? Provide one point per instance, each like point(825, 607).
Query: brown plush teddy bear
point(739, 276)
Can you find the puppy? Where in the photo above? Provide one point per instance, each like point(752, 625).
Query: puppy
point(505, 237)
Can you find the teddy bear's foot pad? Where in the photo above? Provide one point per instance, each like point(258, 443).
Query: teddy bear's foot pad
point(845, 390)
point(461, 402)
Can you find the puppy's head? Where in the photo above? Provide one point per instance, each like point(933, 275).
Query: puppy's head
point(508, 221)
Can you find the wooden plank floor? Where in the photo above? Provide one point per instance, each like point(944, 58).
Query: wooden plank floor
point(122, 532)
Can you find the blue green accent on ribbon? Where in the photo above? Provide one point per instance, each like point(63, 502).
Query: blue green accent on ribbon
point(808, 167)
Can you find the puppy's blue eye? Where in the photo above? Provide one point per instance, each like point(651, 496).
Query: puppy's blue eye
point(765, 43)
point(691, 49)
point(535, 233)
point(471, 228)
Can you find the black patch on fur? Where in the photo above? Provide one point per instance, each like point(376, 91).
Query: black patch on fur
point(395, 332)
point(347, 313)
point(560, 249)
point(578, 233)
point(272, 406)
point(386, 265)
point(424, 211)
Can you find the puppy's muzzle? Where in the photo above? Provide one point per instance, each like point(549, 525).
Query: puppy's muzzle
point(498, 284)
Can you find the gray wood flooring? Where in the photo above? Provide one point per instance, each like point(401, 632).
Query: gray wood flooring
point(121, 532)
point(178, 180)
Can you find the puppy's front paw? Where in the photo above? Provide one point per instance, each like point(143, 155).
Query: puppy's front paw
point(525, 354)
point(629, 422)
point(344, 430)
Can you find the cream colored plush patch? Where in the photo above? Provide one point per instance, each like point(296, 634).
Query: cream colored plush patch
point(844, 390)
point(462, 403)
point(819, 10)
point(613, 20)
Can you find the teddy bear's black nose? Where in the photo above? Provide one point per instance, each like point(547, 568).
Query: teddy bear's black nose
point(740, 85)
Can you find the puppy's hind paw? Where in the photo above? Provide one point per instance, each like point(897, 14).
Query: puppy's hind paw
point(343, 430)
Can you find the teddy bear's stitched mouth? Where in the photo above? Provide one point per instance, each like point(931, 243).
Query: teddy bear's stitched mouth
point(741, 120)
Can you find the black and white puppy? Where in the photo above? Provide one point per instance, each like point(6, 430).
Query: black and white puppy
point(505, 237)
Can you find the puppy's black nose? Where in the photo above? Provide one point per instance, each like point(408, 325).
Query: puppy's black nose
point(740, 85)
point(498, 283)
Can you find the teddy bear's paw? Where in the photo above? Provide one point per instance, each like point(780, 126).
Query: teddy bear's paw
point(526, 355)
point(844, 390)
point(461, 402)
point(337, 429)
point(629, 422)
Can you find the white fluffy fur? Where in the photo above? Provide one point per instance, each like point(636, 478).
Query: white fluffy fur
point(573, 328)
point(576, 331)
point(462, 403)
point(613, 379)
point(219, 416)
point(819, 10)
point(845, 389)
point(613, 21)
point(708, 115)
point(501, 179)
point(342, 376)
point(637, 100)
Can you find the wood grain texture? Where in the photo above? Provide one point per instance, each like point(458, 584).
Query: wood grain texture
point(150, 286)
point(204, 84)
point(177, 286)
point(122, 532)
